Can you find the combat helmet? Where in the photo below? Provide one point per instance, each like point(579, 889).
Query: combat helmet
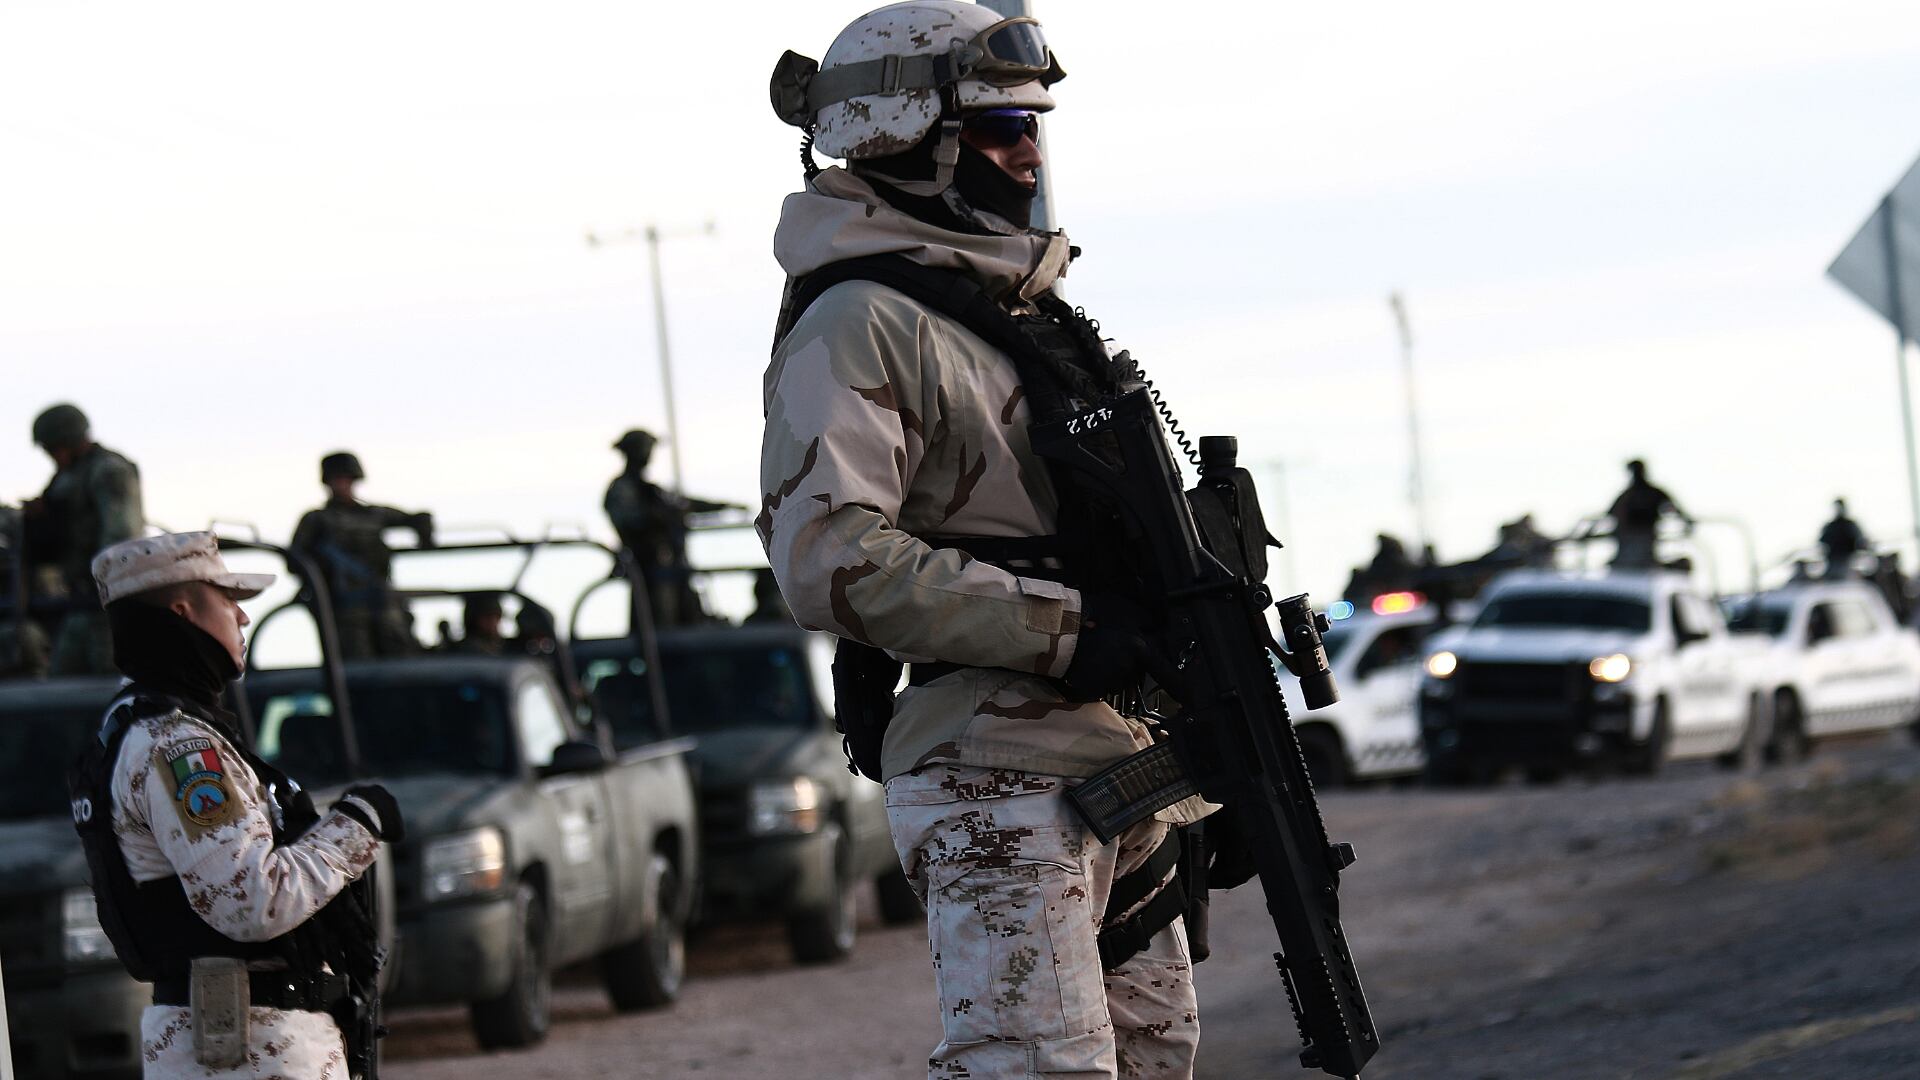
point(341, 463)
point(895, 73)
point(60, 426)
point(636, 443)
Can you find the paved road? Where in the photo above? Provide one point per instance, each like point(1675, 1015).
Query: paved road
point(1697, 926)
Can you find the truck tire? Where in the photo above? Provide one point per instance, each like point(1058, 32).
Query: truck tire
point(825, 934)
point(1751, 752)
point(1648, 758)
point(1326, 761)
point(1789, 742)
point(522, 1014)
point(898, 904)
point(646, 973)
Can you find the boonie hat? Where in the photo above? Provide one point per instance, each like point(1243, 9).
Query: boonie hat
point(145, 563)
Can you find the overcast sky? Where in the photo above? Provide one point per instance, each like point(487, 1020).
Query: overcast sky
point(241, 235)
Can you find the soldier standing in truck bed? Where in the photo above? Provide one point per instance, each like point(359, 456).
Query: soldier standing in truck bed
point(92, 502)
point(345, 540)
point(652, 523)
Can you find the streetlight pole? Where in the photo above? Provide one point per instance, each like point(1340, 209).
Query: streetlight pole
point(652, 235)
point(1416, 486)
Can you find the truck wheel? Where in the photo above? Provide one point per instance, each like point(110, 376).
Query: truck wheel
point(1789, 743)
point(1326, 762)
point(646, 973)
point(898, 904)
point(521, 1015)
point(1754, 736)
point(1648, 758)
point(825, 934)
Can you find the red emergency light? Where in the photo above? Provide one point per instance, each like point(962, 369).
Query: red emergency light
point(1398, 603)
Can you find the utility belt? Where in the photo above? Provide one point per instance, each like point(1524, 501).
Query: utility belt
point(268, 990)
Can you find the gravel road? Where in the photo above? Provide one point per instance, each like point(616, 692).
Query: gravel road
point(1697, 926)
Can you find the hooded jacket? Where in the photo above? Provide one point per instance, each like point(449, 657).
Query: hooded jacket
point(889, 424)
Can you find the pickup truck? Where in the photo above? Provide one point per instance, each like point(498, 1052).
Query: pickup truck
point(1840, 663)
point(787, 831)
point(1568, 670)
point(1373, 731)
point(73, 1011)
point(530, 844)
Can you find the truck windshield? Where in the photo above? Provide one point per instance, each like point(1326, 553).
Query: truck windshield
point(719, 688)
point(1756, 618)
point(36, 746)
point(1583, 611)
point(402, 730)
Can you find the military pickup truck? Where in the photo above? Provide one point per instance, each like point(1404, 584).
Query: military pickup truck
point(787, 831)
point(72, 1009)
point(531, 844)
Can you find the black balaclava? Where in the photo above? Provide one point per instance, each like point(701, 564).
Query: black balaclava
point(159, 649)
point(979, 183)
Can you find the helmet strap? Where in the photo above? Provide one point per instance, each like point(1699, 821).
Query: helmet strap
point(946, 153)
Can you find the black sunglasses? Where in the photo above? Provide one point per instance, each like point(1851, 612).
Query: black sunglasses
point(1003, 127)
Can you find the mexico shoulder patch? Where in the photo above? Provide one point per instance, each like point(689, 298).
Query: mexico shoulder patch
point(202, 789)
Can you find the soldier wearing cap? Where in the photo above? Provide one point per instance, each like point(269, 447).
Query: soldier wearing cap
point(346, 539)
point(92, 501)
point(202, 854)
point(652, 523)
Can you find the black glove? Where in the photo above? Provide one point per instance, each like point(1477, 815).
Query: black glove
point(1111, 654)
point(390, 826)
point(1229, 850)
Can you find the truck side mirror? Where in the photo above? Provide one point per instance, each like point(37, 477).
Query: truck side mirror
point(575, 757)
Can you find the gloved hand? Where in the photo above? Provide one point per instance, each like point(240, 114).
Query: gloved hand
point(1111, 654)
point(1229, 850)
point(360, 798)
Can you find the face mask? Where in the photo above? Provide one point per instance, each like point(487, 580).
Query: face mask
point(987, 186)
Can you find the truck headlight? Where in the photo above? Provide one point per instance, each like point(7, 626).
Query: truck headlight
point(784, 807)
point(464, 864)
point(1442, 665)
point(1611, 669)
point(86, 943)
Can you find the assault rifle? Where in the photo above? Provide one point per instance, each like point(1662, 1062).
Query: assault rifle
point(1202, 553)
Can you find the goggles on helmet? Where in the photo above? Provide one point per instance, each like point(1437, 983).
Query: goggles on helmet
point(1002, 127)
point(1010, 52)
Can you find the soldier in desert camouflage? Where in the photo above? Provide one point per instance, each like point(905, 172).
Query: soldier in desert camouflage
point(92, 501)
point(199, 849)
point(346, 539)
point(892, 427)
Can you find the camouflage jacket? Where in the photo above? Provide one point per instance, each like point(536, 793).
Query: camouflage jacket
point(92, 504)
point(346, 539)
point(889, 424)
point(186, 804)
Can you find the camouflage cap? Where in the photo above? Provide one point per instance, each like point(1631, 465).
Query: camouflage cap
point(636, 441)
point(341, 463)
point(151, 562)
point(61, 425)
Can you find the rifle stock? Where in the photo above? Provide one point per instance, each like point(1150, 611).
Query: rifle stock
point(1232, 732)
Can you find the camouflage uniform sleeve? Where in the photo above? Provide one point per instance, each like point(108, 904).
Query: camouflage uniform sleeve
point(845, 439)
point(116, 495)
point(209, 816)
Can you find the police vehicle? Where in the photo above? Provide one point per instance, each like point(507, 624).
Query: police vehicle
point(1373, 731)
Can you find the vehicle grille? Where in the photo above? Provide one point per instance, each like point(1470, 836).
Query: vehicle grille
point(30, 938)
point(723, 815)
point(1519, 682)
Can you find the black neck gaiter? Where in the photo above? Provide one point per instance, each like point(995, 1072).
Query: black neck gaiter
point(159, 649)
point(981, 183)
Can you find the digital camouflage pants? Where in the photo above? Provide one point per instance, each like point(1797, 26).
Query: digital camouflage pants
point(1016, 889)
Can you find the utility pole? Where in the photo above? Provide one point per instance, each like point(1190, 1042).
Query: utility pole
point(1416, 486)
point(652, 236)
point(1043, 197)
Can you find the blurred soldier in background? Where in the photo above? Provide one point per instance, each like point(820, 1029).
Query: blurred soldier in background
point(1636, 515)
point(345, 538)
point(904, 510)
point(1842, 539)
point(92, 502)
point(652, 523)
point(25, 652)
point(768, 604)
point(480, 620)
point(1392, 570)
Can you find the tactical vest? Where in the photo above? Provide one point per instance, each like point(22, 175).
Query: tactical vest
point(151, 924)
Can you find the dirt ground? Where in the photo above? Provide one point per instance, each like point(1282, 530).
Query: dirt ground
point(1697, 926)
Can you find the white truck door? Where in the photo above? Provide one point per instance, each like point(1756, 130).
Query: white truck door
point(1706, 711)
point(1385, 700)
point(1830, 693)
